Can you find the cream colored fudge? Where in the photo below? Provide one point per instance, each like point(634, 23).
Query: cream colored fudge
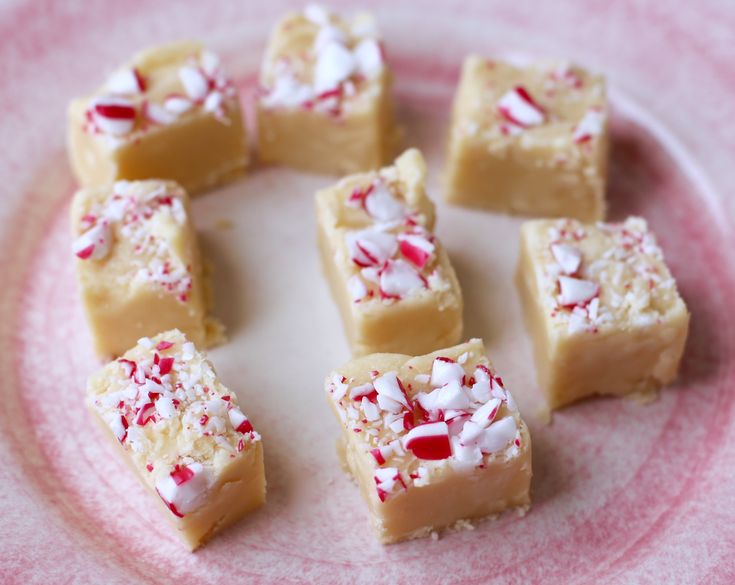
point(389, 274)
point(138, 264)
point(602, 308)
point(529, 140)
point(184, 434)
point(432, 441)
point(169, 113)
point(325, 103)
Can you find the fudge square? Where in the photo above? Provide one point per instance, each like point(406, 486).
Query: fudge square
point(183, 433)
point(169, 113)
point(530, 140)
point(138, 263)
point(433, 441)
point(601, 307)
point(389, 274)
point(325, 102)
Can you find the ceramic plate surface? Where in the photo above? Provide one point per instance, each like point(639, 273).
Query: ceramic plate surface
point(622, 493)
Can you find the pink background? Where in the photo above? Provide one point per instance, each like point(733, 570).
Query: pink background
point(623, 493)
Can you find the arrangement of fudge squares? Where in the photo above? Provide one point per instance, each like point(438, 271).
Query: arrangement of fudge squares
point(601, 306)
point(171, 112)
point(138, 263)
point(183, 432)
point(389, 274)
point(530, 140)
point(325, 102)
point(432, 441)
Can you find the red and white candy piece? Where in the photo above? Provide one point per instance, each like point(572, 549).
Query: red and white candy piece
point(126, 82)
point(399, 279)
point(119, 426)
point(239, 421)
point(195, 82)
point(391, 395)
point(575, 292)
point(485, 415)
point(371, 247)
point(567, 256)
point(114, 115)
point(590, 125)
point(429, 441)
point(519, 108)
point(416, 248)
point(94, 244)
point(184, 488)
point(445, 370)
point(387, 481)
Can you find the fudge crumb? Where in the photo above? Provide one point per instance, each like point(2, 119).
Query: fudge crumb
point(224, 224)
point(643, 397)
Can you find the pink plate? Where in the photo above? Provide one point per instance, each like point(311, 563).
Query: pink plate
point(623, 493)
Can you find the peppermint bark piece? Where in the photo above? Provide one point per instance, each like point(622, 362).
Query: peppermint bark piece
point(171, 112)
point(602, 308)
point(389, 274)
point(184, 434)
point(138, 264)
point(325, 103)
point(432, 441)
point(529, 140)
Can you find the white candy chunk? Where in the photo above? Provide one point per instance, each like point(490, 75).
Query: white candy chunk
point(444, 371)
point(369, 409)
point(481, 389)
point(451, 396)
point(467, 456)
point(177, 104)
point(498, 435)
point(335, 64)
point(194, 81)
point(184, 489)
point(369, 58)
point(371, 247)
point(213, 102)
point(288, 92)
point(400, 279)
point(382, 205)
point(386, 477)
point(387, 386)
point(329, 34)
point(567, 256)
point(165, 407)
point(115, 422)
point(94, 244)
point(340, 388)
point(124, 82)
point(471, 433)
point(590, 125)
point(217, 407)
point(516, 106)
point(210, 63)
point(158, 114)
point(356, 288)
point(575, 291)
point(484, 415)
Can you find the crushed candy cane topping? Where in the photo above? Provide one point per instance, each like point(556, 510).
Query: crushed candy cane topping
point(460, 415)
point(394, 257)
point(125, 111)
point(129, 216)
point(323, 76)
point(165, 405)
point(597, 275)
